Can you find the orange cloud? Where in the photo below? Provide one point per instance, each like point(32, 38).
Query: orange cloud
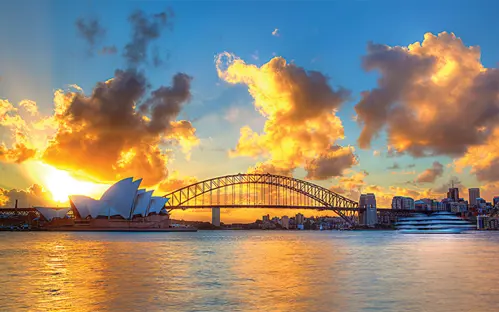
point(483, 159)
point(35, 195)
point(174, 182)
point(433, 97)
point(107, 137)
point(302, 128)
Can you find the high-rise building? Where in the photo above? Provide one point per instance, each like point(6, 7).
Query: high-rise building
point(368, 202)
point(474, 194)
point(371, 216)
point(453, 194)
point(285, 222)
point(299, 219)
point(495, 201)
point(215, 216)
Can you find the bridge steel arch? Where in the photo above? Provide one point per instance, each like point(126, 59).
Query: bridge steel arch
point(327, 198)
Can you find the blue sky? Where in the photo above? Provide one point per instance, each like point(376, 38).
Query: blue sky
point(41, 53)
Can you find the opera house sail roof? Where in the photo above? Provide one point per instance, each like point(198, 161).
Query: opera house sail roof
point(123, 199)
point(52, 213)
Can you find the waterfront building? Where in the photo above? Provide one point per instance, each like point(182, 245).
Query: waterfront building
point(461, 206)
point(453, 194)
point(474, 193)
point(369, 215)
point(397, 202)
point(266, 218)
point(122, 205)
point(408, 203)
point(215, 216)
point(299, 219)
point(495, 201)
point(285, 222)
point(401, 202)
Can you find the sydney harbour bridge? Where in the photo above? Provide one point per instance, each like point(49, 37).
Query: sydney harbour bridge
point(255, 190)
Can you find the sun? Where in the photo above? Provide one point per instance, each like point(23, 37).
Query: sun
point(61, 184)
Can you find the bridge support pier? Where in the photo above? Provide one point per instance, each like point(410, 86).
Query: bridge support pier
point(215, 216)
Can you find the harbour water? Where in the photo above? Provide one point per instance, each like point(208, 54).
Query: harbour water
point(248, 271)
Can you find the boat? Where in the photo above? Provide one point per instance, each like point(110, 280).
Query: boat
point(441, 222)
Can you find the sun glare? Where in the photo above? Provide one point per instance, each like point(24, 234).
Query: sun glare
point(61, 184)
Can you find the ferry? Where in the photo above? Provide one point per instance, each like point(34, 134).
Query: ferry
point(441, 222)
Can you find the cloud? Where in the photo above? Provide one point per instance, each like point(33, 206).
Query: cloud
point(276, 33)
point(483, 160)
point(376, 153)
point(301, 128)
point(266, 167)
point(90, 30)
point(34, 195)
point(433, 98)
point(174, 182)
point(18, 153)
point(118, 130)
point(331, 163)
point(431, 174)
point(395, 166)
point(145, 29)
point(11, 118)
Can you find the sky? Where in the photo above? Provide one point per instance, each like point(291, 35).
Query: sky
point(390, 97)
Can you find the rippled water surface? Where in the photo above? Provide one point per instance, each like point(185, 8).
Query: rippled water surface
point(248, 271)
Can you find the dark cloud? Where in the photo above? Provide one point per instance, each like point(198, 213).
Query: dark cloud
point(331, 163)
point(431, 174)
point(433, 98)
point(90, 29)
point(107, 137)
point(145, 29)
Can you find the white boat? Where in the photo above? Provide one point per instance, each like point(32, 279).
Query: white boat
point(441, 222)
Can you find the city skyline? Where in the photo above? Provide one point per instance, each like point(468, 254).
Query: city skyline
point(175, 96)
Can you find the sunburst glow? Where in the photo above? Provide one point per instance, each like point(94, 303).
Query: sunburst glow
point(61, 184)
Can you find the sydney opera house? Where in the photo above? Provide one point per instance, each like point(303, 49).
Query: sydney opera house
point(122, 207)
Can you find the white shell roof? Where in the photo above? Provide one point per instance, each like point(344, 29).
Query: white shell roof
point(51, 213)
point(157, 203)
point(86, 206)
point(142, 202)
point(124, 198)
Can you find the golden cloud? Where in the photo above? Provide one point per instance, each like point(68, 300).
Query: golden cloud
point(483, 159)
point(107, 136)
point(35, 195)
point(302, 128)
point(433, 98)
point(174, 182)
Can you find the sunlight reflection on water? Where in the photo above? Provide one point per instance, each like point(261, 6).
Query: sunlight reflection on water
point(248, 271)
